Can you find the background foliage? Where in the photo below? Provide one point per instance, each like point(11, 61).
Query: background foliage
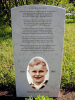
point(6, 5)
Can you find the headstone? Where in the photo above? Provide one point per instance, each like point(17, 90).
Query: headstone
point(38, 34)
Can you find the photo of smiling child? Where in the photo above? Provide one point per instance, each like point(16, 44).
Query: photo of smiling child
point(38, 71)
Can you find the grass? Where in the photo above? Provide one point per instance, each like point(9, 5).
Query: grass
point(7, 75)
point(40, 98)
point(68, 64)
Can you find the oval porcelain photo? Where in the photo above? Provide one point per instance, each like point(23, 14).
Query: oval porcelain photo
point(37, 73)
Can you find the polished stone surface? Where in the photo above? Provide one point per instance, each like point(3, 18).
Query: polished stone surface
point(38, 31)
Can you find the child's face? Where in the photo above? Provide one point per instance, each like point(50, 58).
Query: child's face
point(38, 73)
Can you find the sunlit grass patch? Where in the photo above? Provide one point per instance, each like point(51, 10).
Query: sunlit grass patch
point(68, 65)
point(7, 75)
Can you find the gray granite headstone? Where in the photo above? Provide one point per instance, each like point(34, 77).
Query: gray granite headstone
point(38, 35)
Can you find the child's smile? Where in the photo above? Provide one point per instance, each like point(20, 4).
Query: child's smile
point(38, 73)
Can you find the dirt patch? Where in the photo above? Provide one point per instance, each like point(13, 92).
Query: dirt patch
point(2, 93)
point(66, 95)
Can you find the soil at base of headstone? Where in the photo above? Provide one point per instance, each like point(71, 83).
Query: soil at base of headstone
point(63, 95)
point(66, 95)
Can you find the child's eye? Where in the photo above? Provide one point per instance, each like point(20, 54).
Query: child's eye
point(41, 71)
point(34, 71)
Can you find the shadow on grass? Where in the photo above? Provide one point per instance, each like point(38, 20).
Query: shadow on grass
point(10, 89)
point(69, 88)
point(9, 93)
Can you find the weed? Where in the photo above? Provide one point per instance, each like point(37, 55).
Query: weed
point(40, 98)
point(43, 98)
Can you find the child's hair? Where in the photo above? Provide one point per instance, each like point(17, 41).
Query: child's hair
point(37, 61)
